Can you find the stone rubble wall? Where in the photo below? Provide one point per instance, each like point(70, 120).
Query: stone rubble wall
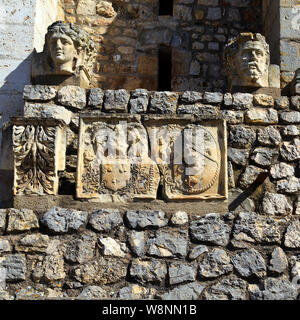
point(250, 252)
point(129, 33)
point(112, 254)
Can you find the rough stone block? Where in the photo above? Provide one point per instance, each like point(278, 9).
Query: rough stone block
point(197, 251)
point(241, 136)
point(282, 170)
point(5, 246)
point(278, 262)
point(145, 218)
point(263, 100)
point(21, 220)
point(212, 97)
point(181, 272)
point(290, 117)
point(289, 185)
point(190, 291)
point(46, 111)
point(228, 289)
point(136, 242)
point(104, 220)
point(261, 116)
point(232, 117)
point(39, 92)
point(143, 271)
point(92, 292)
point(269, 136)
point(95, 99)
point(292, 235)
point(251, 228)
point(168, 245)
point(210, 229)
point(60, 220)
point(136, 292)
point(3, 214)
point(105, 270)
point(214, 264)
point(81, 249)
point(49, 269)
point(276, 204)
point(290, 131)
point(249, 263)
point(179, 218)
point(15, 265)
point(238, 156)
point(282, 103)
point(290, 150)
point(139, 101)
point(116, 100)
point(33, 243)
point(163, 102)
point(249, 176)
point(111, 247)
point(264, 156)
point(274, 289)
point(242, 101)
point(190, 97)
point(72, 96)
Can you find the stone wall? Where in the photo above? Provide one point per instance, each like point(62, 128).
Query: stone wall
point(111, 254)
point(250, 251)
point(130, 33)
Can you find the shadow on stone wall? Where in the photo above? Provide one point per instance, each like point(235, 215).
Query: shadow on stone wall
point(12, 104)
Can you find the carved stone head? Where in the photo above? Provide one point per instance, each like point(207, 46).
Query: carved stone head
point(247, 61)
point(68, 48)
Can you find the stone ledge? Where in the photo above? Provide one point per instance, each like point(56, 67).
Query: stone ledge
point(41, 203)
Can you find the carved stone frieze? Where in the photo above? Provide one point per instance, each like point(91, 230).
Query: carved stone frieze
point(113, 159)
point(39, 152)
point(191, 156)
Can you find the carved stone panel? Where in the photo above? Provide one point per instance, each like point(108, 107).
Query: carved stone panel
point(113, 159)
point(39, 149)
point(191, 156)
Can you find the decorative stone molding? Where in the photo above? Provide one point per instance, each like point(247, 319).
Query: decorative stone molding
point(39, 149)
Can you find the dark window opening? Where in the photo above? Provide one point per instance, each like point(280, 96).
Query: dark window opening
point(164, 68)
point(166, 7)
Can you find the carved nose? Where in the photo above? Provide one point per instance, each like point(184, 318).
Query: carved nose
point(58, 44)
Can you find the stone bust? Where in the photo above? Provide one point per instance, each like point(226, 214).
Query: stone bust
point(68, 51)
point(247, 61)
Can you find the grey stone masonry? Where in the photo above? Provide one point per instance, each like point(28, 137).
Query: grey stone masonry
point(237, 253)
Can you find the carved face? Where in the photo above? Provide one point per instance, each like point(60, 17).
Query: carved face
point(116, 175)
point(252, 63)
point(62, 52)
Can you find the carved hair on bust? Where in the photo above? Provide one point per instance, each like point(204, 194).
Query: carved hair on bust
point(247, 60)
point(68, 49)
